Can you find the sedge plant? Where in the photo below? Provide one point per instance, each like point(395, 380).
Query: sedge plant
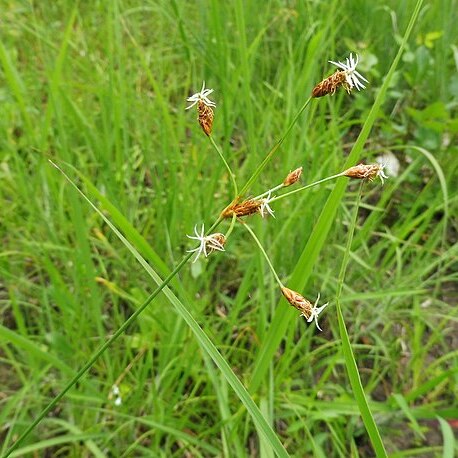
point(236, 212)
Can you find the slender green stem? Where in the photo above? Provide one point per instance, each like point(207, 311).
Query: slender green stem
point(276, 188)
point(214, 225)
point(102, 349)
point(343, 267)
point(228, 168)
point(309, 256)
point(270, 154)
point(96, 355)
point(248, 228)
point(311, 185)
point(231, 227)
point(350, 362)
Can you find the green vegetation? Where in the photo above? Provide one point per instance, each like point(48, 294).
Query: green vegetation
point(217, 363)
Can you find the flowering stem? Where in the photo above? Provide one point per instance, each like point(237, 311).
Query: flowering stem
point(350, 362)
point(114, 336)
point(276, 188)
point(248, 228)
point(287, 194)
point(228, 168)
point(99, 352)
point(269, 156)
point(214, 225)
point(346, 258)
point(231, 227)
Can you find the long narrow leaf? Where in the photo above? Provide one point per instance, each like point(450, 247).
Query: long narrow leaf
point(350, 362)
point(203, 339)
point(309, 256)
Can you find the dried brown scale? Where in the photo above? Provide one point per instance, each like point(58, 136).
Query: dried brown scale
point(330, 84)
point(245, 208)
point(297, 301)
point(293, 177)
point(205, 117)
point(363, 171)
point(216, 242)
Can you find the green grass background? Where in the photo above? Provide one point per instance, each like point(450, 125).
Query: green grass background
point(100, 88)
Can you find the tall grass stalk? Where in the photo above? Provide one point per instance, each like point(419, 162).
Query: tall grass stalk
point(315, 243)
point(352, 368)
point(206, 343)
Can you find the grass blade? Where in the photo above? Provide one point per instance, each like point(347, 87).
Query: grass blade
point(310, 254)
point(352, 368)
point(32, 348)
point(449, 439)
point(203, 339)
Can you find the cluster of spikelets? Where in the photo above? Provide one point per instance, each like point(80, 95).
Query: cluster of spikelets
point(349, 78)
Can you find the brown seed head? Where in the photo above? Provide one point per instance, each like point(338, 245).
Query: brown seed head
point(298, 301)
point(364, 171)
point(330, 84)
point(245, 208)
point(205, 117)
point(293, 177)
point(216, 241)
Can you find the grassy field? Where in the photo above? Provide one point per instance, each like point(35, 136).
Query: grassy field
point(218, 363)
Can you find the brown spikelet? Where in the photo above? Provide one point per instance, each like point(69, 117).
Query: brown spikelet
point(245, 208)
point(330, 84)
point(298, 301)
point(215, 242)
point(205, 117)
point(292, 177)
point(363, 171)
